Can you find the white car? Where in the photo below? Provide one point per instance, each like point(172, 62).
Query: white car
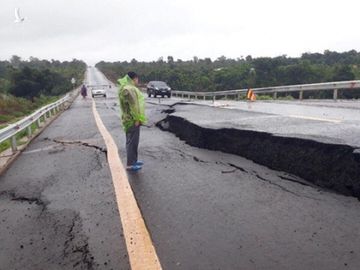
point(98, 92)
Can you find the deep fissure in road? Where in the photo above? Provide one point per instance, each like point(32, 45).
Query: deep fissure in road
point(331, 166)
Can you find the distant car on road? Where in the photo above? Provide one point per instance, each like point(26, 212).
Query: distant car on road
point(158, 88)
point(98, 92)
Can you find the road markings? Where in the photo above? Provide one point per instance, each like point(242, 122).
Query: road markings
point(337, 121)
point(142, 253)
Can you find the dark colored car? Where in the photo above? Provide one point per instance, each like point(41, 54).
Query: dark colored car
point(158, 88)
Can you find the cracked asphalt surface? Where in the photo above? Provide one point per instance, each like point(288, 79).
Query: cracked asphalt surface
point(57, 204)
point(204, 209)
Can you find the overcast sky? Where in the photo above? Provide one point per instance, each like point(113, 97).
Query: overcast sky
point(113, 30)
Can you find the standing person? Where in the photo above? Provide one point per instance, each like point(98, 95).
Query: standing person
point(83, 91)
point(132, 105)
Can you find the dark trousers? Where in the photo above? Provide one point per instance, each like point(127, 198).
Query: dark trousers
point(132, 144)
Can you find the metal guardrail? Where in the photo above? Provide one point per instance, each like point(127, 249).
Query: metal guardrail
point(46, 112)
point(301, 88)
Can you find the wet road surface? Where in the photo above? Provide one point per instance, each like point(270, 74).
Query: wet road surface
point(57, 204)
point(204, 209)
point(323, 121)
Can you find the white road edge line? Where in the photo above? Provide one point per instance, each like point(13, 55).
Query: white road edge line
point(337, 121)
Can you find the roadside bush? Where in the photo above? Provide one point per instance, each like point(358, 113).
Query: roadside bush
point(12, 108)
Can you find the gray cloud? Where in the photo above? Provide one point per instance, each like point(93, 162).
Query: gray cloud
point(94, 30)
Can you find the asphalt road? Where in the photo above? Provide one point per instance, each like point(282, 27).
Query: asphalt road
point(323, 121)
point(203, 209)
point(57, 208)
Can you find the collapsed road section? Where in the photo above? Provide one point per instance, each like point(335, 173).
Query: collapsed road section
point(328, 165)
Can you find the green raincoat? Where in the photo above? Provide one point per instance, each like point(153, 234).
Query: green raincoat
point(132, 103)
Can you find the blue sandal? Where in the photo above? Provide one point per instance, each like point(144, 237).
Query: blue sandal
point(139, 163)
point(134, 168)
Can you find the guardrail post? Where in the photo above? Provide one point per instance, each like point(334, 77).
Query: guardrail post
point(13, 144)
point(214, 98)
point(38, 122)
point(275, 95)
point(239, 96)
point(204, 97)
point(301, 95)
point(335, 95)
point(29, 131)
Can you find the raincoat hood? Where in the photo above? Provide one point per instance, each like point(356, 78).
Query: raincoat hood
point(126, 80)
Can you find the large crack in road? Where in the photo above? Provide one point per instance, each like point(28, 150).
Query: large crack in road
point(64, 242)
point(232, 168)
point(21, 198)
point(74, 245)
point(80, 143)
point(331, 166)
point(64, 227)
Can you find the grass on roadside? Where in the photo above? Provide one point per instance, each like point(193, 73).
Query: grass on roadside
point(5, 145)
point(264, 97)
point(267, 97)
point(288, 97)
point(13, 109)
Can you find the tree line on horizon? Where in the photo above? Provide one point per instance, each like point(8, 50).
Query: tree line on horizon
point(28, 85)
point(33, 78)
point(226, 73)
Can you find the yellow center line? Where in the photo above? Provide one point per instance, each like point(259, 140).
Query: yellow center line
point(337, 121)
point(142, 253)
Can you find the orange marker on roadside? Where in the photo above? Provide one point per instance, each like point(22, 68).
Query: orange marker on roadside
point(250, 95)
